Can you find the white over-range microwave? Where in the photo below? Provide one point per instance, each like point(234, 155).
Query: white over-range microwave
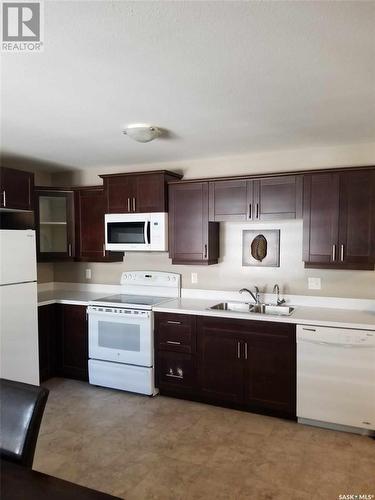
point(136, 232)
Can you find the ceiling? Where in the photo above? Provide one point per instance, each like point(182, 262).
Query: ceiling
point(222, 77)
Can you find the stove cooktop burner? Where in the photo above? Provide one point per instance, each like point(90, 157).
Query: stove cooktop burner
point(128, 300)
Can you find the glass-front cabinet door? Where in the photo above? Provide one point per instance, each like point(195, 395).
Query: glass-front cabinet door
point(55, 225)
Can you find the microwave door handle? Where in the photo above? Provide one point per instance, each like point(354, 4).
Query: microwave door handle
point(146, 231)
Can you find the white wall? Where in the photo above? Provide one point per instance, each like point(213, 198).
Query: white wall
point(260, 162)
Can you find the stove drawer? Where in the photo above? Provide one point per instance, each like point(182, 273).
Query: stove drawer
point(175, 371)
point(175, 332)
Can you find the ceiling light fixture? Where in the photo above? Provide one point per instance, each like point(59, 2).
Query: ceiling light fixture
point(142, 132)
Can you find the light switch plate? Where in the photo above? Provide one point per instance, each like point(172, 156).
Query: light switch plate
point(88, 274)
point(194, 277)
point(314, 283)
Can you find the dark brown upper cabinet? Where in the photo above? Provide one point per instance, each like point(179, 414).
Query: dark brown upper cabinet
point(137, 192)
point(90, 205)
point(339, 219)
point(277, 198)
point(16, 188)
point(228, 200)
point(320, 218)
point(55, 224)
point(357, 218)
point(259, 199)
point(192, 238)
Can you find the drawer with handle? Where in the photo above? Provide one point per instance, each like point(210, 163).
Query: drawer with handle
point(175, 332)
point(175, 371)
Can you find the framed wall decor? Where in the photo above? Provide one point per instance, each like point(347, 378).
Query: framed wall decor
point(261, 248)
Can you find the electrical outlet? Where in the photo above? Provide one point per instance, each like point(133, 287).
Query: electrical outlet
point(314, 283)
point(194, 277)
point(88, 274)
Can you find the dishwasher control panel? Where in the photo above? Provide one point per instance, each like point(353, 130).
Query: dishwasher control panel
point(330, 335)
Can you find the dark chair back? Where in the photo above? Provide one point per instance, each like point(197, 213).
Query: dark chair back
point(21, 411)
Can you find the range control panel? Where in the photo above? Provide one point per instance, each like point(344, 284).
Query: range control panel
point(152, 278)
point(117, 310)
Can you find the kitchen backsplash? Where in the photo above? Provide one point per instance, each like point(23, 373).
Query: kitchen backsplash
point(229, 274)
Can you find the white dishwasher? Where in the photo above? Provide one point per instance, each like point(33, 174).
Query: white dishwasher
point(336, 376)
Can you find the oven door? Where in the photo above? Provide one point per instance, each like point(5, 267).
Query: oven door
point(127, 232)
point(124, 336)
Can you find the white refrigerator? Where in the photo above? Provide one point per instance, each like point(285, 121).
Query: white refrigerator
point(19, 357)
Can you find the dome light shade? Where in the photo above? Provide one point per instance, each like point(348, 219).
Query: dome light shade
point(141, 132)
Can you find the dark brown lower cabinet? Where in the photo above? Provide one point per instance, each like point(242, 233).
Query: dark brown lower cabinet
point(72, 330)
point(47, 341)
point(243, 364)
point(270, 370)
point(252, 363)
point(63, 341)
point(176, 372)
point(220, 370)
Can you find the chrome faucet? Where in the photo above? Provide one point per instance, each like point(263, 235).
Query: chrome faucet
point(276, 289)
point(256, 296)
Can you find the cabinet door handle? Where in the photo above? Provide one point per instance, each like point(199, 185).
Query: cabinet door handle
point(245, 350)
point(133, 204)
point(342, 253)
point(238, 350)
point(174, 376)
point(250, 210)
point(205, 251)
point(29, 192)
point(4, 198)
point(173, 322)
point(70, 249)
point(103, 249)
point(128, 204)
point(173, 342)
point(257, 214)
point(309, 329)
point(333, 253)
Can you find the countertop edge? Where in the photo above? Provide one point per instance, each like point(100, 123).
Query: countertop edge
point(263, 317)
point(63, 301)
point(296, 318)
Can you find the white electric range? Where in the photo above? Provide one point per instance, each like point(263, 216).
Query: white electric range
point(121, 331)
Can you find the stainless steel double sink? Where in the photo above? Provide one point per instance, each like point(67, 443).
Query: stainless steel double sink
point(244, 307)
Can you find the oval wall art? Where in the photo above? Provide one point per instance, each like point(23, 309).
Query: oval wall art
point(261, 248)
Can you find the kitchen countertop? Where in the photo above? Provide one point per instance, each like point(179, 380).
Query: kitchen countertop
point(319, 316)
point(76, 297)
